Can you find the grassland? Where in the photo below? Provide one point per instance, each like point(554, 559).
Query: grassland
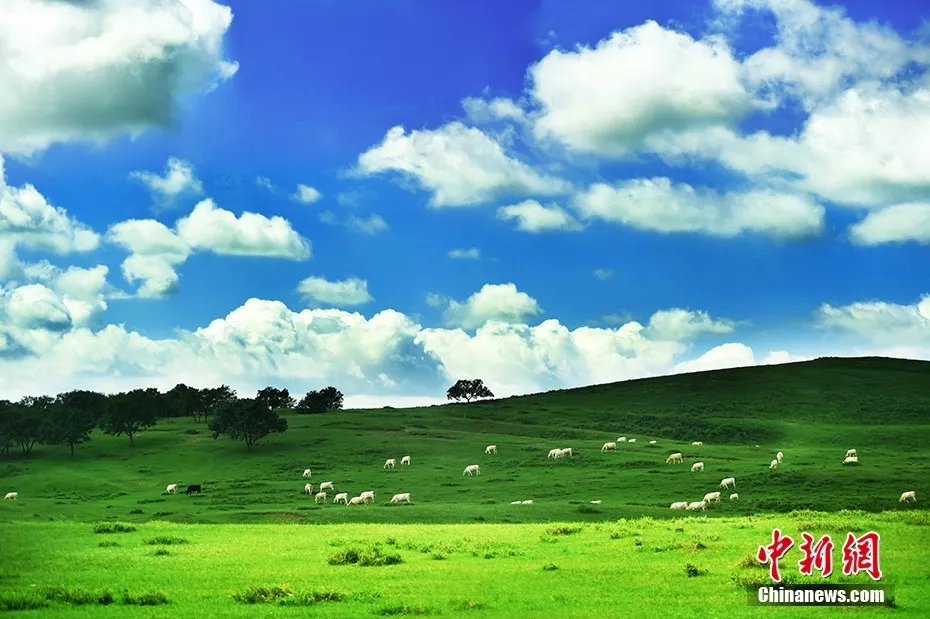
point(240, 533)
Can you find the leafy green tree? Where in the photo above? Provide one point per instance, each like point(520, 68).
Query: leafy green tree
point(322, 401)
point(211, 400)
point(7, 409)
point(182, 401)
point(275, 399)
point(30, 421)
point(246, 420)
point(132, 412)
point(72, 417)
point(468, 390)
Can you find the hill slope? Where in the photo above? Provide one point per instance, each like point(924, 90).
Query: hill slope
point(812, 411)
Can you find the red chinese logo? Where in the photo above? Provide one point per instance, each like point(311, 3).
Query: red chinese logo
point(861, 555)
point(773, 552)
point(817, 556)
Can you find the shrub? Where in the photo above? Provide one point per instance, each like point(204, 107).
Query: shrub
point(114, 527)
point(165, 540)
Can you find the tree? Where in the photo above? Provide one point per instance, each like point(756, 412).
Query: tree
point(182, 401)
point(275, 399)
point(72, 417)
point(324, 400)
point(468, 390)
point(211, 400)
point(29, 421)
point(246, 420)
point(131, 412)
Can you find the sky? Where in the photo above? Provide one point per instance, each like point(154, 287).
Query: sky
point(389, 196)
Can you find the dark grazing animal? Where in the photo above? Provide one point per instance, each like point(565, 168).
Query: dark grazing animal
point(192, 489)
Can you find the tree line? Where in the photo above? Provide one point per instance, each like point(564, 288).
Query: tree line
point(70, 418)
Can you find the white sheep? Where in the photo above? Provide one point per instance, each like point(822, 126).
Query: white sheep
point(653, 442)
point(907, 496)
point(622, 439)
point(389, 463)
point(403, 496)
point(712, 497)
point(472, 469)
point(632, 440)
point(490, 449)
point(773, 464)
point(597, 502)
point(851, 460)
point(356, 500)
point(319, 497)
point(675, 457)
point(734, 497)
point(308, 488)
point(10, 496)
point(368, 495)
point(727, 482)
point(554, 453)
point(527, 502)
point(697, 443)
point(342, 497)
point(679, 505)
point(306, 472)
point(851, 452)
point(702, 505)
point(327, 485)
point(405, 461)
point(565, 451)
point(171, 489)
point(609, 447)
point(515, 502)
point(697, 466)
point(779, 456)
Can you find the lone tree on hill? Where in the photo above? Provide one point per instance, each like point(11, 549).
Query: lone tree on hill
point(246, 420)
point(275, 399)
point(468, 390)
point(322, 401)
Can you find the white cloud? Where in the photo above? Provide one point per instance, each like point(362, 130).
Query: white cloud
point(481, 111)
point(179, 179)
point(307, 194)
point(894, 224)
point(34, 306)
point(734, 355)
point(57, 57)
point(460, 165)
point(879, 322)
point(531, 216)
point(155, 253)
point(472, 253)
point(682, 325)
point(659, 205)
point(344, 293)
point(265, 183)
point(373, 224)
point(214, 229)
point(497, 302)
point(639, 82)
point(603, 274)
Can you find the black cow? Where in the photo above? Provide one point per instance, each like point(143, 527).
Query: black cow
point(192, 489)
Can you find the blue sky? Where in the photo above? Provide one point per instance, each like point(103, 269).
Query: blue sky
point(390, 196)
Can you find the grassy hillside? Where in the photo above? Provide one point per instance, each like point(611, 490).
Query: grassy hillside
point(812, 411)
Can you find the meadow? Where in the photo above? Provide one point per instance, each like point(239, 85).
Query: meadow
point(463, 547)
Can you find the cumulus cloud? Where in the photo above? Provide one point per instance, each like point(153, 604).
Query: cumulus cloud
point(482, 111)
point(472, 253)
point(459, 165)
point(57, 57)
point(155, 253)
point(658, 204)
point(371, 225)
point(497, 302)
point(344, 293)
point(880, 322)
point(531, 216)
point(895, 224)
point(307, 194)
point(681, 324)
point(642, 81)
point(734, 355)
point(179, 179)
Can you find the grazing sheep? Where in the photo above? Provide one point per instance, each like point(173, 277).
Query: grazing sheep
point(356, 500)
point(308, 489)
point(700, 443)
point(327, 485)
point(622, 439)
point(11, 496)
point(565, 451)
point(773, 464)
point(389, 463)
point(851, 452)
point(368, 495)
point(527, 502)
point(597, 502)
point(905, 496)
point(472, 469)
point(403, 496)
point(515, 502)
point(342, 497)
point(405, 461)
point(653, 442)
point(319, 497)
point(712, 496)
point(306, 472)
point(851, 460)
point(679, 505)
point(675, 457)
point(727, 482)
point(490, 449)
point(697, 466)
point(171, 489)
point(608, 447)
point(734, 497)
point(702, 505)
point(554, 453)
point(779, 456)
point(632, 440)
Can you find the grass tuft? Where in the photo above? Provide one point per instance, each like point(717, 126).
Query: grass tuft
point(393, 610)
point(114, 527)
point(151, 598)
point(164, 540)
point(371, 556)
point(14, 600)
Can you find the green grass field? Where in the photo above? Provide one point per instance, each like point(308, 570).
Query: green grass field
point(464, 547)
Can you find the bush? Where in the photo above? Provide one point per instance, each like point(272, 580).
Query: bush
point(114, 527)
point(165, 540)
point(370, 556)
